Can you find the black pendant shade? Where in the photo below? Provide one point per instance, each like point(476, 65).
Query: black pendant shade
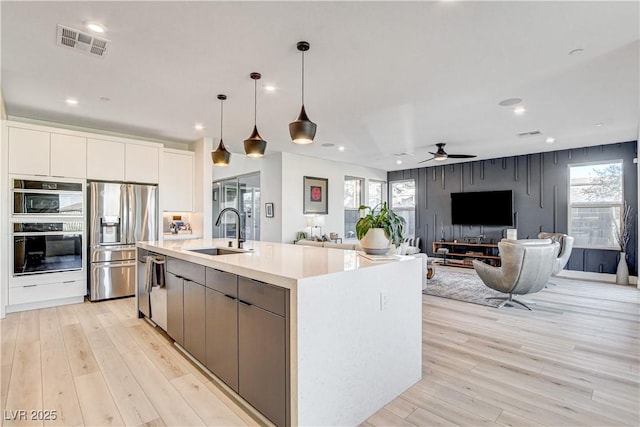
point(255, 146)
point(221, 156)
point(302, 130)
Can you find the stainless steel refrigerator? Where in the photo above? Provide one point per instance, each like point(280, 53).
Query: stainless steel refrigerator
point(119, 216)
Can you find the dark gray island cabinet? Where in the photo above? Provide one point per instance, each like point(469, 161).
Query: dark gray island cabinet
point(304, 336)
point(236, 327)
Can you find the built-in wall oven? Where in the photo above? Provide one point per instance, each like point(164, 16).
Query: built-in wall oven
point(36, 198)
point(47, 247)
point(48, 237)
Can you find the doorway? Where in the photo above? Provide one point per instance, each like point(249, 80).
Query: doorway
point(241, 193)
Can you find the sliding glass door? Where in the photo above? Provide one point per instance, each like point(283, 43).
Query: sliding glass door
point(241, 193)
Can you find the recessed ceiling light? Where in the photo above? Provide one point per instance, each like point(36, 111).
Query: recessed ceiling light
point(198, 126)
point(71, 101)
point(104, 99)
point(328, 144)
point(509, 102)
point(96, 28)
point(519, 110)
point(598, 125)
point(398, 162)
point(574, 51)
point(550, 140)
point(341, 148)
point(270, 88)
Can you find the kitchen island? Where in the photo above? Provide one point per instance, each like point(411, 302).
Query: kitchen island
point(306, 335)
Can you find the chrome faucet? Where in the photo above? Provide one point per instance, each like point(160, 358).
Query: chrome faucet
point(239, 240)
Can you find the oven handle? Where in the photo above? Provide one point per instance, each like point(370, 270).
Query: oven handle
point(46, 233)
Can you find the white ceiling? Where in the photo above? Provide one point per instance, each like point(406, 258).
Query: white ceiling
point(381, 77)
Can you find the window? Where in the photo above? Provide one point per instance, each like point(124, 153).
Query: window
point(352, 201)
point(595, 204)
point(376, 193)
point(403, 203)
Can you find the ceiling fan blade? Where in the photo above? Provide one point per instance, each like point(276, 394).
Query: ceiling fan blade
point(432, 153)
point(427, 159)
point(461, 156)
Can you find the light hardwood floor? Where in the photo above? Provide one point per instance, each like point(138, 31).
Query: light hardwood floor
point(573, 361)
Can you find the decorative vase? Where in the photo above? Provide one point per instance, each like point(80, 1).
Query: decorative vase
point(622, 273)
point(375, 242)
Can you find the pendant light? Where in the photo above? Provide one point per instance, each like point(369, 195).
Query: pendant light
point(254, 146)
point(221, 156)
point(303, 130)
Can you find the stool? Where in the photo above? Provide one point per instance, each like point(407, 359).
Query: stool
point(444, 252)
point(431, 270)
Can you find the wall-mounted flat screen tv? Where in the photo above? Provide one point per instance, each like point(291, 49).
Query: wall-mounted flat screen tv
point(482, 208)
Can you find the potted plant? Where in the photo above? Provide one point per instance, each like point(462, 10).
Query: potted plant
point(378, 228)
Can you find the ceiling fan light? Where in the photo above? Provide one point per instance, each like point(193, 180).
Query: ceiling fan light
point(221, 156)
point(440, 158)
point(255, 146)
point(302, 130)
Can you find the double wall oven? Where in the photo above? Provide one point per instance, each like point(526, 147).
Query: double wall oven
point(47, 231)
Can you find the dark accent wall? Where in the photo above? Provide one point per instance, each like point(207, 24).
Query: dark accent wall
point(539, 183)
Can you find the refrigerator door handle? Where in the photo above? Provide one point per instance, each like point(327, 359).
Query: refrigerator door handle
point(124, 213)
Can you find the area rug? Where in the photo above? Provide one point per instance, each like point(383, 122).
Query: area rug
point(467, 287)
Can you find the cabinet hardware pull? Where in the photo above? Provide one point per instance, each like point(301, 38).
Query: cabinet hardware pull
point(245, 303)
point(229, 296)
point(179, 277)
point(69, 281)
point(29, 286)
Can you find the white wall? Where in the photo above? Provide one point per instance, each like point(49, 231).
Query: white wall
point(294, 168)
point(202, 188)
point(281, 176)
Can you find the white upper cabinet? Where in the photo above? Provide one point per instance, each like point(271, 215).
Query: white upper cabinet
point(68, 156)
point(142, 163)
point(176, 181)
point(28, 152)
point(105, 160)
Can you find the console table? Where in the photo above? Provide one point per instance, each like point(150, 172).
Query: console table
point(461, 254)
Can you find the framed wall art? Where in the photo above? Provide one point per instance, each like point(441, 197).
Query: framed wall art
point(315, 195)
point(268, 210)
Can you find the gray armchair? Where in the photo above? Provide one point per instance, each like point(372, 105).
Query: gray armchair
point(566, 245)
point(526, 268)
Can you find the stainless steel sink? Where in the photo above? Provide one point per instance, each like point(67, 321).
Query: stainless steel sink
point(218, 251)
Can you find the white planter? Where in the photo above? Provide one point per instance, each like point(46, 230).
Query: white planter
point(622, 273)
point(375, 242)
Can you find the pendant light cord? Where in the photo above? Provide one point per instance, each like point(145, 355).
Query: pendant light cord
point(303, 77)
point(221, 106)
point(255, 101)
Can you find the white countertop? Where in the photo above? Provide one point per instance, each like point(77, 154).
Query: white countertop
point(179, 236)
point(280, 264)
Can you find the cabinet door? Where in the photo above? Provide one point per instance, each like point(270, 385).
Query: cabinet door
point(194, 320)
point(175, 307)
point(222, 337)
point(105, 160)
point(176, 182)
point(262, 361)
point(141, 163)
point(28, 152)
point(68, 156)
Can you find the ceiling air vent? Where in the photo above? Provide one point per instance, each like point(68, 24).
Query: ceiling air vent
point(532, 133)
point(84, 42)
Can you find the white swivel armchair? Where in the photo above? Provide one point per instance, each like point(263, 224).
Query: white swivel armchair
point(526, 268)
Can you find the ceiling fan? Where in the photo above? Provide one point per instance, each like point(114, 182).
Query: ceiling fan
point(440, 155)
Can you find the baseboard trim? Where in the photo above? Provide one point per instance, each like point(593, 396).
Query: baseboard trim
point(44, 304)
point(597, 277)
